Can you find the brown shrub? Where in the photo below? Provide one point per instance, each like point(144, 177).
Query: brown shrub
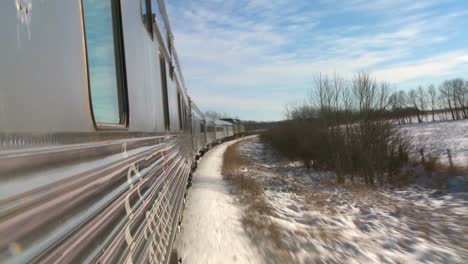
point(257, 212)
point(232, 160)
point(373, 151)
point(344, 128)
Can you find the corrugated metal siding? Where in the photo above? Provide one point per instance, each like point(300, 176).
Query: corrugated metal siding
point(116, 200)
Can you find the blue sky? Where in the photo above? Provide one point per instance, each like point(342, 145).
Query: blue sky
point(251, 58)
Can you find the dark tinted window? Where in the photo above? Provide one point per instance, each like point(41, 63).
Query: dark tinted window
point(146, 15)
point(167, 121)
point(179, 107)
point(186, 117)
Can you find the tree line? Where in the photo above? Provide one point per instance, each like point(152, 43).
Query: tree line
point(447, 102)
point(342, 127)
point(348, 125)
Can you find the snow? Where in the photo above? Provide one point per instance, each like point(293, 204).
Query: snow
point(436, 137)
point(323, 223)
point(211, 229)
point(320, 222)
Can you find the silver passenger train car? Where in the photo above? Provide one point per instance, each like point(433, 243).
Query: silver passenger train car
point(98, 136)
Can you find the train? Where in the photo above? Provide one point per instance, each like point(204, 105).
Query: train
point(98, 134)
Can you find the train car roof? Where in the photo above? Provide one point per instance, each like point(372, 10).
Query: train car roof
point(222, 123)
point(231, 120)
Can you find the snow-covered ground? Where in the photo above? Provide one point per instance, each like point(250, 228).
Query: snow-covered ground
point(211, 228)
point(322, 223)
point(436, 137)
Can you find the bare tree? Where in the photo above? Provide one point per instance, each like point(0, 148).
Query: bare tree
point(393, 102)
point(441, 104)
point(459, 94)
point(372, 135)
point(432, 97)
point(455, 94)
point(446, 95)
point(384, 96)
point(369, 98)
point(413, 97)
point(403, 102)
point(451, 99)
point(421, 97)
point(398, 103)
point(301, 112)
point(466, 94)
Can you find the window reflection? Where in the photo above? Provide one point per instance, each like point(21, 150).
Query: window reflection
point(144, 11)
point(102, 64)
point(159, 19)
point(167, 120)
point(146, 16)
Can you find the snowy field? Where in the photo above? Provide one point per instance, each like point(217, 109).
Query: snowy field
point(436, 137)
point(211, 230)
point(322, 223)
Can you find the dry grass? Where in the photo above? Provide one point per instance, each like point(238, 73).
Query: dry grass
point(233, 163)
point(432, 164)
point(447, 170)
point(319, 201)
point(429, 173)
point(257, 212)
point(232, 160)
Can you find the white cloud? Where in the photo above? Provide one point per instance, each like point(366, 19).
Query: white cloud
point(253, 104)
point(440, 65)
point(243, 46)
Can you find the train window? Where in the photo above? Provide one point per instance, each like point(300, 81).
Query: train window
point(184, 120)
point(159, 18)
point(167, 121)
point(172, 71)
point(169, 45)
point(187, 117)
point(146, 16)
point(104, 44)
point(184, 115)
point(179, 107)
